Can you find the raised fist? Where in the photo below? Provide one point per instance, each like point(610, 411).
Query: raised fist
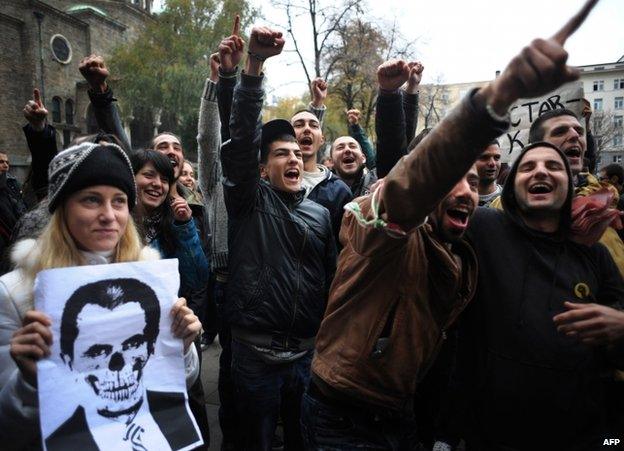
point(392, 74)
point(319, 91)
point(95, 72)
point(415, 76)
point(353, 116)
point(231, 49)
point(215, 63)
point(265, 42)
point(35, 113)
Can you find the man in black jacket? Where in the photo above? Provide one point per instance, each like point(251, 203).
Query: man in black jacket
point(534, 336)
point(281, 256)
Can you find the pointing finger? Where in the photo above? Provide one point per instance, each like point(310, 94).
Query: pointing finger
point(37, 97)
point(236, 27)
point(574, 23)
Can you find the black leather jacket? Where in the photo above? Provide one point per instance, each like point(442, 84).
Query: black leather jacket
point(282, 253)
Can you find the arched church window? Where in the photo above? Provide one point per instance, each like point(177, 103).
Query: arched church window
point(56, 109)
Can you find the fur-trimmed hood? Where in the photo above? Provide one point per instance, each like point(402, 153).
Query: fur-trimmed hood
point(25, 253)
point(18, 287)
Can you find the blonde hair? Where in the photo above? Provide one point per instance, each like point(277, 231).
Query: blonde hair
point(57, 248)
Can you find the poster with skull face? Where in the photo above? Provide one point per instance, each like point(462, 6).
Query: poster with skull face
point(115, 378)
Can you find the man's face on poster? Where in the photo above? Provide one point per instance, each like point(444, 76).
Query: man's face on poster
point(112, 367)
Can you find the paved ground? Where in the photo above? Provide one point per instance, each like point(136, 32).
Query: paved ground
point(209, 375)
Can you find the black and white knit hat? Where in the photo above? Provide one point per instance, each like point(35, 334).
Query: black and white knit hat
point(89, 164)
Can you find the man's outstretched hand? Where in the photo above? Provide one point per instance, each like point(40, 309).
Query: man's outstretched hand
point(392, 74)
point(231, 48)
point(538, 69)
point(94, 70)
point(35, 113)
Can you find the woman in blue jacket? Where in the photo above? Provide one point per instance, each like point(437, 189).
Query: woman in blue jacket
point(165, 222)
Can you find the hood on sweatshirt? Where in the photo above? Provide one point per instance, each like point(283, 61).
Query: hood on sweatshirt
point(508, 197)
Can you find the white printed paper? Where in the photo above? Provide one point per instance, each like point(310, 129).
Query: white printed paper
point(115, 378)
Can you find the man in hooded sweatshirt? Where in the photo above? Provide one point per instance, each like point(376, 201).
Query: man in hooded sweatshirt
point(533, 376)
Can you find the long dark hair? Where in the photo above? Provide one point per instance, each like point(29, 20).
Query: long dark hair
point(162, 165)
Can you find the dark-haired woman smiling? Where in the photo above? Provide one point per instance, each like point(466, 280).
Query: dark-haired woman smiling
point(166, 223)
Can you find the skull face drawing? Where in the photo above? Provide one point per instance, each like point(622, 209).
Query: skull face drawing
point(113, 338)
point(113, 367)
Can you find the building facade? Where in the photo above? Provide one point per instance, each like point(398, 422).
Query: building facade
point(42, 43)
point(604, 88)
point(603, 85)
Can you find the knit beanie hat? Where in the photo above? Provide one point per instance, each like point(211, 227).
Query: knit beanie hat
point(89, 164)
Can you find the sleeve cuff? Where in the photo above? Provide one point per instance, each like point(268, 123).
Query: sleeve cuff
point(210, 91)
point(101, 98)
point(251, 81)
point(483, 113)
point(410, 98)
point(224, 74)
point(320, 108)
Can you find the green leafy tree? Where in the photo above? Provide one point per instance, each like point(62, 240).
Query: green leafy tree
point(160, 75)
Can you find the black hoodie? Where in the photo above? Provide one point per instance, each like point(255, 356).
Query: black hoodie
point(532, 387)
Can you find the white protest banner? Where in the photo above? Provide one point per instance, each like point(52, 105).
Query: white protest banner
point(115, 378)
point(525, 111)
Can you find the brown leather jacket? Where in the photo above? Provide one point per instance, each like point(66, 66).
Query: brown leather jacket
point(393, 297)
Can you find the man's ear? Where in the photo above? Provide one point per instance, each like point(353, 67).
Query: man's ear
point(322, 139)
point(66, 360)
point(263, 171)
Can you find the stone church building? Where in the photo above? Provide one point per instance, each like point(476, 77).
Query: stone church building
point(41, 45)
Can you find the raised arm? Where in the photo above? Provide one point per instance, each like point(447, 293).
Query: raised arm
point(208, 133)
point(389, 115)
point(420, 180)
point(239, 155)
point(105, 110)
point(230, 54)
point(319, 94)
point(359, 134)
point(410, 99)
point(41, 139)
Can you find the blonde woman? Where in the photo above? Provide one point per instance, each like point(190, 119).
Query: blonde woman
point(91, 192)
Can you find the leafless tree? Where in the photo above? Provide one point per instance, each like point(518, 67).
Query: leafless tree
point(352, 60)
point(607, 129)
point(433, 102)
point(325, 18)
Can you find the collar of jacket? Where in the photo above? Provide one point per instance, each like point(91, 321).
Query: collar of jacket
point(290, 199)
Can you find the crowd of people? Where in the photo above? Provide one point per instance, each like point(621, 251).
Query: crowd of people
point(401, 295)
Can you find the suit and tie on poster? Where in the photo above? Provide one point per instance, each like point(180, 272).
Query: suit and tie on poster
point(115, 378)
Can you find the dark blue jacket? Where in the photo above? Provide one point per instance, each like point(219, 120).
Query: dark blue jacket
point(333, 194)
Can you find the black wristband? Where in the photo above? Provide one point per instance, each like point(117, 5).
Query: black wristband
point(256, 56)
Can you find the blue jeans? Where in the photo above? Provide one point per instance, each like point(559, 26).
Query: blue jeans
point(266, 391)
point(343, 427)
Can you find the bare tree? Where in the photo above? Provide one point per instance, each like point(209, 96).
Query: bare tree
point(607, 129)
point(325, 19)
point(352, 59)
point(433, 102)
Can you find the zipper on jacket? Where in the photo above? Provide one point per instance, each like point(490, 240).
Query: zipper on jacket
point(434, 356)
point(292, 324)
